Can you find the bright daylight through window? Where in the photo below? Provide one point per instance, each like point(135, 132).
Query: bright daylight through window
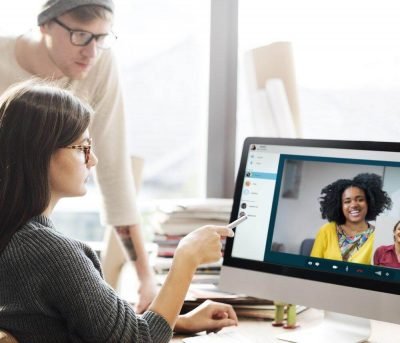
point(346, 58)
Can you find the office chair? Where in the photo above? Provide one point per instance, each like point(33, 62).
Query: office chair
point(306, 246)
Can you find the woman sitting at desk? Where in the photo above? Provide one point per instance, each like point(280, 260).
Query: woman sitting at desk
point(51, 286)
point(389, 255)
point(349, 205)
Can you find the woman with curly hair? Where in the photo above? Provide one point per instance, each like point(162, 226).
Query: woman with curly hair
point(349, 205)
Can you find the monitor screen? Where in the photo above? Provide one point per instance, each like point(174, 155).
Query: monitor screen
point(320, 228)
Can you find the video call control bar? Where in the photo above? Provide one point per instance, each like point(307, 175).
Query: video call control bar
point(353, 269)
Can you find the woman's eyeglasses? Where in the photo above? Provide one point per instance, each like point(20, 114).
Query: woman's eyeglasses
point(87, 148)
point(83, 38)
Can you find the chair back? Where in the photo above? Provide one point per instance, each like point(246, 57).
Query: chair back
point(306, 246)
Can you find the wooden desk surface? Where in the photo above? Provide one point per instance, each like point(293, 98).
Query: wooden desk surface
point(255, 329)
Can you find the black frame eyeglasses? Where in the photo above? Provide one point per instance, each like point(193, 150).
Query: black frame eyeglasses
point(83, 38)
point(87, 149)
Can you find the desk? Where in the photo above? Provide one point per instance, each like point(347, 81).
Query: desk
point(381, 332)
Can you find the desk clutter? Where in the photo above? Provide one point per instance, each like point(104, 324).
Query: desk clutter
point(205, 286)
point(172, 220)
point(179, 217)
point(245, 306)
point(248, 307)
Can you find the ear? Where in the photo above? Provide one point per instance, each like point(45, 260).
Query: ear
point(44, 28)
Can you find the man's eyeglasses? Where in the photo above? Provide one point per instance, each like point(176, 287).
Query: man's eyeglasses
point(83, 38)
point(85, 148)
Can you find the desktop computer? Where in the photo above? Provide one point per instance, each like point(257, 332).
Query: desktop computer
point(279, 187)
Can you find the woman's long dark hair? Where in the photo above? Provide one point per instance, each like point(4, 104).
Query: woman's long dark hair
point(36, 119)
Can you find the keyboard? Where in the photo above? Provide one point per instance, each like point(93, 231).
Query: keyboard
point(233, 336)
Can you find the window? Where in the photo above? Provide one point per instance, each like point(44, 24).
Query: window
point(163, 51)
point(347, 64)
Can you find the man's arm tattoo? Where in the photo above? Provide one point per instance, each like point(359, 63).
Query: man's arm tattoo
point(124, 235)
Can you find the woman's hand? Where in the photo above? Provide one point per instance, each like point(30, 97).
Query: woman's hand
point(203, 245)
point(210, 316)
point(200, 246)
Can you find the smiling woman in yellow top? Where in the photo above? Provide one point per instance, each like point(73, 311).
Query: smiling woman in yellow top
point(349, 205)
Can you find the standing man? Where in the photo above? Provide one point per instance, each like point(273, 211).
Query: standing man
point(72, 45)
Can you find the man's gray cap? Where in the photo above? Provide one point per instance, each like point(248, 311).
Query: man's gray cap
point(53, 8)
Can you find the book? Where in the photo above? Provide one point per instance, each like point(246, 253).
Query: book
point(182, 226)
point(245, 306)
point(162, 266)
point(196, 207)
point(166, 244)
point(180, 217)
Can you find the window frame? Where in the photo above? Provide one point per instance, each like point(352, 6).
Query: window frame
point(222, 99)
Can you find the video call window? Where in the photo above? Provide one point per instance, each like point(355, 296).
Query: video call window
point(296, 219)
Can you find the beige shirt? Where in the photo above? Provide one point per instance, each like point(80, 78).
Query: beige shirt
point(102, 90)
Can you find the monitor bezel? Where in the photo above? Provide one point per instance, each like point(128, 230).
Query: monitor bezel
point(302, 273)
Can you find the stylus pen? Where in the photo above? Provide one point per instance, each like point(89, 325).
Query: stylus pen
point(237, 222)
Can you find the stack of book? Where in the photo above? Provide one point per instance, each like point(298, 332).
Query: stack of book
point(208, 272)
point(205, 286)
point(179, 217)
point(245, 306)
point(174, 219)
point(166, 245)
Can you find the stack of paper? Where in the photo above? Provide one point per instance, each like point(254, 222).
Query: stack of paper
point(179, 217)
point(245, 306)
point(204, 272)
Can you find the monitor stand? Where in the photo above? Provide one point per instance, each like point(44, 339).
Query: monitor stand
point(334, 328)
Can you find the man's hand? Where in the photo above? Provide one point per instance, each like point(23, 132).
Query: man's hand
point(147, 291)
point(131, 238)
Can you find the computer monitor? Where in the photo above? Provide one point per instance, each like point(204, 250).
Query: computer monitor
point(278, 187)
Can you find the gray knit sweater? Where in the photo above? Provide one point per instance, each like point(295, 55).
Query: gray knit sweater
point(52, 290)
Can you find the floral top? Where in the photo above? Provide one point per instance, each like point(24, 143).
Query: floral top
point(350, 244)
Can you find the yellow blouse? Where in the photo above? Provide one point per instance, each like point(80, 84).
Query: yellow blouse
point(326, 245)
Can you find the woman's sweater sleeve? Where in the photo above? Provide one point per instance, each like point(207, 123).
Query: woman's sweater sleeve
point(73, 288)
